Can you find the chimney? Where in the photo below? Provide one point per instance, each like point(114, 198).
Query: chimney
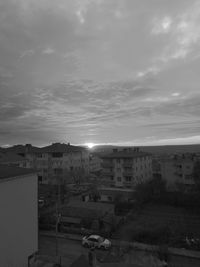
point(28, 147)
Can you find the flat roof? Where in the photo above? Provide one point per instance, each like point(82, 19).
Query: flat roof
point(66, 219)
point(116, 189)
point(125, 154)
point(11, 171)
point(90, 205)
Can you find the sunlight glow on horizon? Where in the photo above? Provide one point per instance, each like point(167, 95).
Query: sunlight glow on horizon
point(90, 145)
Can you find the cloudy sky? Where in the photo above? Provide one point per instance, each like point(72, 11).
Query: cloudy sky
point(100, 71)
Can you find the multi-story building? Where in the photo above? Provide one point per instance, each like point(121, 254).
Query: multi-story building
point(176, 171)
point(57, 163)
point(60, 163)
point(126, 168)
point(95, 163)
point(19, 215)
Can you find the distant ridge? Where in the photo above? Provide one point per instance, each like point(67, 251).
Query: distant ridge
point(155, 149)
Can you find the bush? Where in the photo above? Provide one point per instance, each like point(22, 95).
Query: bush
point(150, 234)
point(121, 208)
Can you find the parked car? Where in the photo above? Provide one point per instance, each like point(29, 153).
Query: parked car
point(96, 241)
point(41, 203)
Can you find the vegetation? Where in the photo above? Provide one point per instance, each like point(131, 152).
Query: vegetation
point(149, 190)
point(196, 175)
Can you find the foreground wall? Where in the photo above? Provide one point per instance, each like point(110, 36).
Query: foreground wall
point(18, 223)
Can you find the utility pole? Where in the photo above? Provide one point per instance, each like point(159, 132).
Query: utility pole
point(58, 215)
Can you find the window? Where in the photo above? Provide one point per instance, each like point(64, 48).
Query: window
point(57, 155)
point(128, 178)
point(188, 177)
point(118, 160)
point(58, 171)
point(119, 179)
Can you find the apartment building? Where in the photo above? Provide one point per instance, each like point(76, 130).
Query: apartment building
point(176, 170)
point(127, 167)
point(19, 215)
point(60, 163)
point(57, 162)
point(95, 163)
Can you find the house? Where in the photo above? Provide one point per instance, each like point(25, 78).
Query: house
point(19, 215)
point(90, 215)
point(111, 194)
point(127, 167)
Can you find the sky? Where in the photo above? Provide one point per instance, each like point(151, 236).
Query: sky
point(100, 71)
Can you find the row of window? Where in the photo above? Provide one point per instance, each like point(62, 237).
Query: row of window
point(127, 161)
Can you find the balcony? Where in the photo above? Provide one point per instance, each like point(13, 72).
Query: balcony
point(128, 171)
point(107, 172)
point(128, 184)
point(107, 165)
point(127, 165)
point(178, 173)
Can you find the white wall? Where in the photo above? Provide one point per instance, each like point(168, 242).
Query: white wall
point(18, 221)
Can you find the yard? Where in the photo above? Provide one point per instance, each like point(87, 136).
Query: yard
point(161, 224)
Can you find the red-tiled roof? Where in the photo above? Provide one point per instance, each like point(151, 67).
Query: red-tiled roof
point(11, 171)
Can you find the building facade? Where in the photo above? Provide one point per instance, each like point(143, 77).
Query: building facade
point(60, 163)
point(176, 171)
point(19, 216)
point(95, 163)
point(126, 168)
point(57, 163)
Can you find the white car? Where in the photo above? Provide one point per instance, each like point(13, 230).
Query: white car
point(96, 241)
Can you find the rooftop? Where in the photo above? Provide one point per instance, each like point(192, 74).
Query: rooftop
point(126, 153)
point(22, 148)
point(61, 148)
point(10, 157)
point(91, 205)
point(11, 171)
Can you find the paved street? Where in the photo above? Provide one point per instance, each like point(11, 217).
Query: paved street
point(69, 250)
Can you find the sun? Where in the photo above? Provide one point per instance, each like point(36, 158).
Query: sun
point(90, 145)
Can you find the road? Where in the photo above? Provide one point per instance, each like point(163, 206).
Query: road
point(70, 250)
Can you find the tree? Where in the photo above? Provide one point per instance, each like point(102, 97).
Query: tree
point(149, 190)
point(196, 175)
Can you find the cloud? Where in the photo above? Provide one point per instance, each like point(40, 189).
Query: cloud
point(185, 34)
point(48, 51)
point(27, 53)
point(175, 94)
point(162, 26)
